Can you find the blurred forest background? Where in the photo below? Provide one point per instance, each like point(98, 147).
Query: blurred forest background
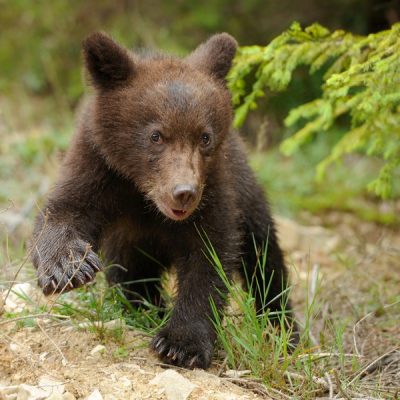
point(41, 70)
point(41, 84)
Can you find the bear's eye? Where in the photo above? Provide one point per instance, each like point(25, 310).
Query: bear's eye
point(156, 137)
point(205, 139)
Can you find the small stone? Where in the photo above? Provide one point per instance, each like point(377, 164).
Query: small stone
point(85, 325)
point(227, 396)
point(175, 385)
point(95, 395)
point(14, 347)
point(8, 392)
point(110, 397)
point(51, 386)
point(125, 382)
point(15, 299)
point(20, 349)
point(28, 392)
point(233, 373)
point(136, 368)
point(115, 323)
point(55, 396)
point(68, 396)
point(99, 349)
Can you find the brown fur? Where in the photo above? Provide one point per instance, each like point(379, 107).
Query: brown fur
point(142, 175)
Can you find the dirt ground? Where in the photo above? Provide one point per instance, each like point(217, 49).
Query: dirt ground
point(352, 267)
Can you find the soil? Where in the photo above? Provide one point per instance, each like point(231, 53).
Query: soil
point(357, 265)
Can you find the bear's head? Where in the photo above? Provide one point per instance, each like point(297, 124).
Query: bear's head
point(161, 121)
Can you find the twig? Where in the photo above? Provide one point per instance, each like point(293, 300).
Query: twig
point(323, 355)
point(363, 319)
point(365, 369)
point(315, 379)
point(44, 315)
point(314, 281)
point(330, 384)
point(339, 386)
point(19, 270)
point(222, 367)
point(256, 386)
point(64, 360)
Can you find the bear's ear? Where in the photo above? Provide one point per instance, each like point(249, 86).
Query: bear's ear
point(215, 55)
point(109, 64)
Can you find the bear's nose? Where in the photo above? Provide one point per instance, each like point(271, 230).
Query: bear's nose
point(184, 194)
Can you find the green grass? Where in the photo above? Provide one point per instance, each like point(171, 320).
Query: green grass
point(99, 304)
point(251, 343)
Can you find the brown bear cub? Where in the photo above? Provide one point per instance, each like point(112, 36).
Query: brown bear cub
point(154, 162)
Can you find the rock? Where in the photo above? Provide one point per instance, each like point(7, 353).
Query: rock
point(176, 386)
point(227, 396)
point(22, 350)
point(51, 386)
point(135, 367)
point(68, 396)
point(15, 300)
point(28, 392)
point(99, 349)
point(8, 392)
point(55, 396)
point(233, 373)
point(125, 382)
point(294, 236)
point(95, 395)
point(113, 324)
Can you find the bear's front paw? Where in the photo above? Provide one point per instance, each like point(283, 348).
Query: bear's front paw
point(70, 265)
point(189, 346)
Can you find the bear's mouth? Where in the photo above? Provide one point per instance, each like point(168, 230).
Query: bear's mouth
point(179, 213)
point(176, 214)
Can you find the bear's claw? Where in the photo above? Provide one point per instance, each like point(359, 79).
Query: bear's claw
point(183, 348)
point(73, 266)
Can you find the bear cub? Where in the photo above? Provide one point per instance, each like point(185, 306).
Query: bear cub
point(154, 161)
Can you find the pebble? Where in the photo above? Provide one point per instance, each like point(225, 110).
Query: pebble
point(15, 300)
point(176, 386)
point(233, 373)
point(68, 396)
point(95, 395)
point(113, 324)
point(51, 386)
point(28, 392)
point(99, 349)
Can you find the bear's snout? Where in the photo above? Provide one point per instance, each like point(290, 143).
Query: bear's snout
point(184, 195)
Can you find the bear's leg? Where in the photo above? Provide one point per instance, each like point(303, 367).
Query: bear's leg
point(188, 338)
point(266, 275)
point(136, 269)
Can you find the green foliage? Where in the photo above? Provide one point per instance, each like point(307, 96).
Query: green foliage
point(252, 344)
point(251, 341)
point(361, 83)
point(98, 304)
